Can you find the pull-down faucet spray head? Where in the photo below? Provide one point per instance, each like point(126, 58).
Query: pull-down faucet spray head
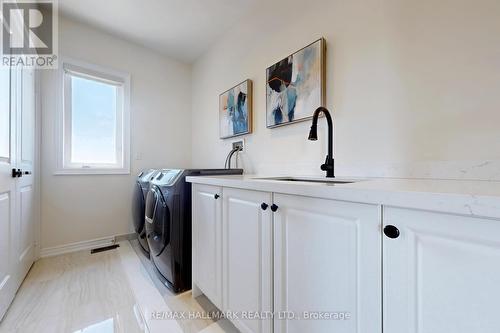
point(313, 133)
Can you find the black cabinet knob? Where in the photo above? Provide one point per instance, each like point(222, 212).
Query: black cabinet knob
point(391, 231)
point(216, 196)
point(274, 207)
point(264, 206)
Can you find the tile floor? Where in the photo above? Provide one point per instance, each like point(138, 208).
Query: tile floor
point(112, 291)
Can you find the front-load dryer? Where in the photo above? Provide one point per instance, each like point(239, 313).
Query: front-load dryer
point(139, 203)
point(168, 224)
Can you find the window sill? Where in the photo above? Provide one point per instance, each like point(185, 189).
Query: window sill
point(93, 171)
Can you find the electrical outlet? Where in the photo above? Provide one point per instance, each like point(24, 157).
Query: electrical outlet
point(240, 144)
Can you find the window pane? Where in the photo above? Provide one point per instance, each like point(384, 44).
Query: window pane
point(93, 122)
point(4, 113)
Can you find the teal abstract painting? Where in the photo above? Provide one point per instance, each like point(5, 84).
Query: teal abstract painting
point(235, 110)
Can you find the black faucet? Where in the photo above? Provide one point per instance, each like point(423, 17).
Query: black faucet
point(328, 166)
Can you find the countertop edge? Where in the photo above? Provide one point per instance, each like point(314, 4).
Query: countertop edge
point(473, 205)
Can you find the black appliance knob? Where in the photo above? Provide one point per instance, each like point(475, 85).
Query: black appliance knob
point(391, 231)
point(216, 196)
point(264, 206)
point(274, 207)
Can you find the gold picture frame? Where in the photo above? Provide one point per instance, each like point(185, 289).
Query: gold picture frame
point(235, 110)
point(295, 85)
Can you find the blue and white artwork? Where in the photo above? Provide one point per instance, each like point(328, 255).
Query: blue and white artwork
point(295, 86)
point(235, 113)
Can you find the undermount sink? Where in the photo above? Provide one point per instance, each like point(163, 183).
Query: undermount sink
point(310, 180)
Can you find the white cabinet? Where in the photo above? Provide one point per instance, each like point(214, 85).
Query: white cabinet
point(441, 274)
point(254, 255)
point(332, 266)
point(207, 242)
point(247, 258)
point(327, 258)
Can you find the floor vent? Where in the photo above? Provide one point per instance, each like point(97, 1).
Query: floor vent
point(105, 248)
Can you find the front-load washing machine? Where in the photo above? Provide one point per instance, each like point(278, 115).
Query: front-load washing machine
point(138, 205)
point(168, 224)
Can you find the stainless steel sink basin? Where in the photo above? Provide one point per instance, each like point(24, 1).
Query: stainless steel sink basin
point(310, 180)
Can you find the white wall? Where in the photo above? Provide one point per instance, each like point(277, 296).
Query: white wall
point(78, 208)
point(414, 86)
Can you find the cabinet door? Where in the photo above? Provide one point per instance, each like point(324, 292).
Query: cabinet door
point(441, 274)
point(327, 258)
point(207, 244)
point(247, 258)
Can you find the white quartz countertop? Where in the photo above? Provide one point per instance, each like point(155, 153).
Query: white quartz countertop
point(474, 198)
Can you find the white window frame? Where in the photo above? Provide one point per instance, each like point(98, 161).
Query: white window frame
point(67, 69)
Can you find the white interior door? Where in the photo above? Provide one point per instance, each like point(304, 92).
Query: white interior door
point(17, 195)
point(25, 233)
point(7, 192)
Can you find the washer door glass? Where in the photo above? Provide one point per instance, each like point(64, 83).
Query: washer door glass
point(158, 227)
point(138, 209)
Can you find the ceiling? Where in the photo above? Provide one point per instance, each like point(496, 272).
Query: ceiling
point(181, 29)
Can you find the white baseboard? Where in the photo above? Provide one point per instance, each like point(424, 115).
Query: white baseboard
point(125, 237)
point(78, 246)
